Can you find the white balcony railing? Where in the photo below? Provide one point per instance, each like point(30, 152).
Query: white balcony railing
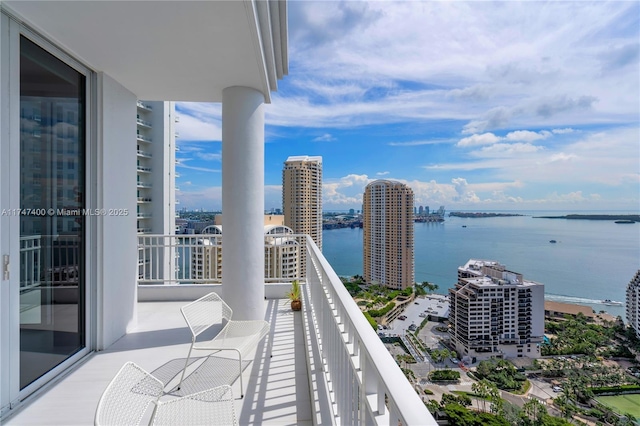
point(142, 105)
point(365, 383)
point(354, 377)
point(197, 258)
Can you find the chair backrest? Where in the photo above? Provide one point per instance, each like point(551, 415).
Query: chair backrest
point(128, 396)
point(210, 407)
point(205, 312)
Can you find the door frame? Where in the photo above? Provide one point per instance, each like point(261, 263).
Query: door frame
point(11, 29)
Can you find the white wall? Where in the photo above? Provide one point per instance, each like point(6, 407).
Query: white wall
point(116, 240)
point(537, 310)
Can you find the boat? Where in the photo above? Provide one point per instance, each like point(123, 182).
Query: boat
point(464, 226)
point(625, 221)
point(610, 302)
point(553, 241)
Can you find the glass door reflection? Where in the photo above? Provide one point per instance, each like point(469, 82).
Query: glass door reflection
point(52, 184)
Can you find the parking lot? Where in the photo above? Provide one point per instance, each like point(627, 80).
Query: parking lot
point(433, 304)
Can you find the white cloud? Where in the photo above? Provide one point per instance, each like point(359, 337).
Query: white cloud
point(199, 128)
point(504, 150)
point(325, 138)
point(382, 173)
point(209, 156)
point(563, 131)
point(527, 136)
point(483, 139)
point(561, 156)
point(463, 193)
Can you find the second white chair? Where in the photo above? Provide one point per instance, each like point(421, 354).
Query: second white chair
point(241, 337)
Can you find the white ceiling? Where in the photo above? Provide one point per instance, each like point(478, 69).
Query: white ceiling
point(167, 50)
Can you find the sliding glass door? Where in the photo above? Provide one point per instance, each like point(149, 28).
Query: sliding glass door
point(52, 273)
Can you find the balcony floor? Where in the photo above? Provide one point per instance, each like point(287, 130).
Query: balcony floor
point(276, 383)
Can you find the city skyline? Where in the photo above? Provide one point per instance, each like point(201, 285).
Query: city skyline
point(519, 106)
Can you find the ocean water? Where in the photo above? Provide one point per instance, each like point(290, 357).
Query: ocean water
point(591, 261)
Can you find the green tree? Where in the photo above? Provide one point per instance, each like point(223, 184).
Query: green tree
point(481, 388)
point(535, 411)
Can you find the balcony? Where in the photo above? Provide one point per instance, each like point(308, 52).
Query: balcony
point(143, 123)
point(144, 154)
point(323, 365)
point(143, 138)
point(144, 106)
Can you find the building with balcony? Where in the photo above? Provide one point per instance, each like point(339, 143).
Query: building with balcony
point(495, 313)
point(302, 196)
point(387, 223)
point(155, 166)
point(633, 303)
point(281, 252)
point(72, 311)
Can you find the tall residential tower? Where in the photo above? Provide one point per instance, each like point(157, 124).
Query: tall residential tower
point(302, 196)
point(155, 181)
point(388, 234)
point(495, 313)
point(633, 303)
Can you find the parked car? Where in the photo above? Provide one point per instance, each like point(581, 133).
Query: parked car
point(402, 317)
point(557, 389)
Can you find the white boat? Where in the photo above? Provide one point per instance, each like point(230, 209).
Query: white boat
point(610, 302)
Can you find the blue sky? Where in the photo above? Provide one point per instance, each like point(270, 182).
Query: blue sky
point(474, 105)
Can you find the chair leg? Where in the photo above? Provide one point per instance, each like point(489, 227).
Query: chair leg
point(186, 364)
point(241, 387)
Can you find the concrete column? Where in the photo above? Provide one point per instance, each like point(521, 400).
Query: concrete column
point(243, 202)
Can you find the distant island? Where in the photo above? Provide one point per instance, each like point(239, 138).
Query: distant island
point(619, 218)
point(467, 214)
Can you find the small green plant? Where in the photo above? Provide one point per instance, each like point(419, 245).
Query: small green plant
point(294, 293)
point(294, 296)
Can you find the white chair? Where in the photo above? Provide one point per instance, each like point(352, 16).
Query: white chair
point(239, 336)
point(130, 393)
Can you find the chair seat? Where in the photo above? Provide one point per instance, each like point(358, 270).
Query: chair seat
point(241, 336)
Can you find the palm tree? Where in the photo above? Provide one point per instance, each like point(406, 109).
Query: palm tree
point(481, 389)
point(535, 410)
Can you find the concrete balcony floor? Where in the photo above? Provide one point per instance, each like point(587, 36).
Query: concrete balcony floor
point(276, 383)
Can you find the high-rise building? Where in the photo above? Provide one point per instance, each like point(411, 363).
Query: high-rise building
point(302, 196)
point(388, 234)
point(494, 312)
point(155, 185)
point(156, 158)
point(281, 251)
point(633, 303)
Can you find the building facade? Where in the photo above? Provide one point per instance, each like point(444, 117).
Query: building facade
point(281, 252)
point(387, 223)
point(155, 167)
point(633, 303)
point(302, 196)
point(156, 179)
point(495, 313)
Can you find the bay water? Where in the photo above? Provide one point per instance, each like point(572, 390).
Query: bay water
point(591, 261)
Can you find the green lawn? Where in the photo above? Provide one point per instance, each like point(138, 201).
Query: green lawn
point(623, 403)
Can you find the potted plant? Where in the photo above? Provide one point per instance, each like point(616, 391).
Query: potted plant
point(294, 296)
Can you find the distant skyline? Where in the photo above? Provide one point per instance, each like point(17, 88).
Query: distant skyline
point(474, 105)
